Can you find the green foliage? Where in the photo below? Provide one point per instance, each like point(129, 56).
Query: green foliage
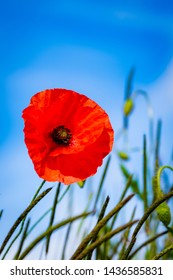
point(134, 183)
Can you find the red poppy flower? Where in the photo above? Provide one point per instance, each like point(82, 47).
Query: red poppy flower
point(67, 135)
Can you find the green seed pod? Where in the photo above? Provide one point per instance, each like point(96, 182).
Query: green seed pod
point(128, 106)
point(164, 213)
point(123, 155)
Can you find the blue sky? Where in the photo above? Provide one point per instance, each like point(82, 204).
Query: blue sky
point(74, 33)
point(129, 32)
point(88, 46)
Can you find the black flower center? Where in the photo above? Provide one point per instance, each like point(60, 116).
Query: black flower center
point(61, 135)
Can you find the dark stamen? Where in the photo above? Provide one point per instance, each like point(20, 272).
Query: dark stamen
point(61, 135)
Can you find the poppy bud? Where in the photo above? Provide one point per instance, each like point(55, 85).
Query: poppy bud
point(81, 184)
point(123, 155)
point(163, 213)
point(128, 106)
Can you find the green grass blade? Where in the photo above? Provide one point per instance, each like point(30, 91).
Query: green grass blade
point(128, 92)
point(52, 215)
point(147, 242)
point(38, 221)
point(22, 216)
point(103, 239)
point(48, 231)
point(99, 226)
point(22, 240)
point(101, 215)
point(128, 184)
point(142, 221)
point(66, 241)
point(1, 213)
point(102, 181)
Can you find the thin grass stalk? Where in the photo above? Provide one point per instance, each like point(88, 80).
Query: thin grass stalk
point(156, 164)
point(102, 181)
point(38, 190)
point(158, 139)
point(64, 193)
point(122, 197)
point(142, 221)
point(128, 92)
point(1, 212)
point(100, 225)
point(101, 215)
point(48, 231)
point(126, 235)
point(115, 249)
point(18, 234)
point(66, 241)
point(150, 114)
point(14, 239)
point(22, 240)
point(86, 210)
point(52, 215)
point(129, 83)
point(22, 216)
point(105, 229)
point(162, 253)
point(145, 191)
point(38, 221)
point(106, 244)
point(147, 242)
point(170, 230)
point(42, 251)
point(103, 239)
point(160, 170)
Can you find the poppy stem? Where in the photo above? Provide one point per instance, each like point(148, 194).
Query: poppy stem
point(98, 227)
point(101, 215)
point(24, 235)
point(162, 253)
point(126, 235)
point(102, 181)
point(40, 187)
point(53, 215)
point(66, 241)
point(49, 231)
point(1, 212)
point(22, 216)
point(128, 183)
point(104, 238)
point(142, 221)
point(147, 242)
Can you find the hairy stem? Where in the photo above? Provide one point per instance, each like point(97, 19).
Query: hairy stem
point(162, 253)
point(22, 216)
point(147, 242)
point(49, 231)
point(98, 226)
point(106, 237)
point(142, 221)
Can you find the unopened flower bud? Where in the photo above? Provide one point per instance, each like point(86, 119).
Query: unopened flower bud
point(164, 213)
point(128, 106)
point(123, 155)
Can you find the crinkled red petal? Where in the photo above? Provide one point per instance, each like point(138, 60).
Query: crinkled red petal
point(92, 135)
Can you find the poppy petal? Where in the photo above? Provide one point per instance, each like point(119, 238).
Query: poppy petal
point(89, 126)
